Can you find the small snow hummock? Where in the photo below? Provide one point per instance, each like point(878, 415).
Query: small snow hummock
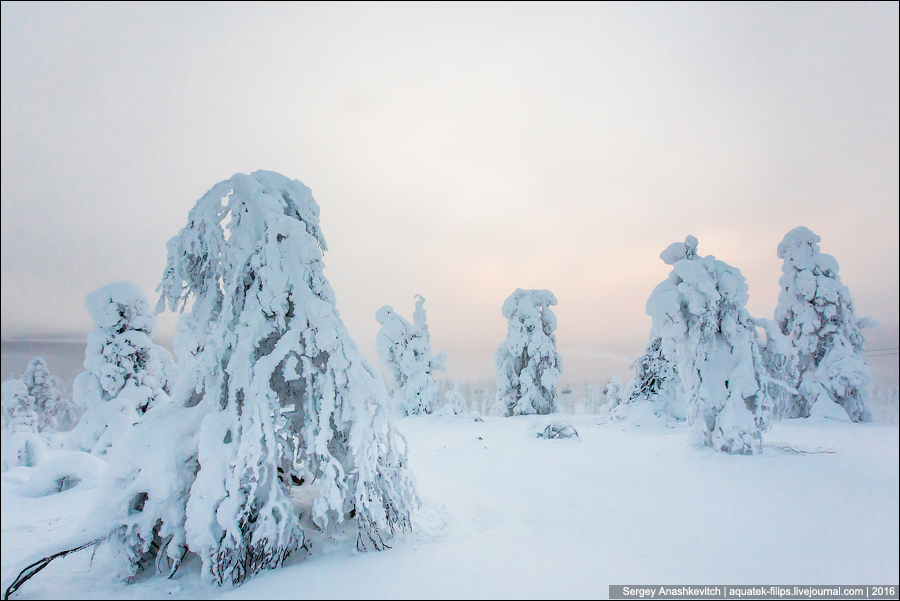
point(405, 349)
point(816, 312)
point(528, 365)
point(700, 310)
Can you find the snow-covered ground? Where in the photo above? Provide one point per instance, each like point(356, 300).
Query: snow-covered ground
point(507, 514)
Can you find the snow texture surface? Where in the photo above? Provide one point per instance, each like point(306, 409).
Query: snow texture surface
point(508, 515)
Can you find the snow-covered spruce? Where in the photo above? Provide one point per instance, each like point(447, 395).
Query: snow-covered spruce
point(269, 378)
point(126, 372)
point(405, 349)
point(18, 407)
point(528, 366)
point(615, 391)
point(781, 361)
point(656, 380)
point(700, 310)
point(55, 413)
point(656, 371)
point(21, 445)
point(815, 311)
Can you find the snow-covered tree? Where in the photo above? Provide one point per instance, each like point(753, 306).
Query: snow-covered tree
point(269, 378)
point(700, 311)
point(405, 349)
point(124, 376)
point(528, 366)
point(19, 443)
point(656, 370)
point(455, 399)
point(815, 311)
point(55, 413)
point(656, 380)
point(781, 361)
point(19, 407)
point(615, 391)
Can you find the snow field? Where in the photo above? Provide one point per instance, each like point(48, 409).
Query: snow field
point(506, 514)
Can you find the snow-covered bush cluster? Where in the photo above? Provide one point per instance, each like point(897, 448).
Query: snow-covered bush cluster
point(126, 372)
point(405, 349)
point(269, 378)
point(815, 311)
point(528, 365)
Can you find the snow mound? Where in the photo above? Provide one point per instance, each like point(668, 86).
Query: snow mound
point(646, 414)
point(829, 410)
point(448, 410)
point(62, 470)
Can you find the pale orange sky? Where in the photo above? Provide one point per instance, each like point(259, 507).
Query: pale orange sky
point(458, 152)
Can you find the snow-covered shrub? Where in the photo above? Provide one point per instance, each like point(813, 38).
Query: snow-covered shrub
point(558, 429)
point(528, 366)
point(124, 376)
point(55, 413)
point(700, 310)
point(405, 349)
point(269, 378)
point(815, 311)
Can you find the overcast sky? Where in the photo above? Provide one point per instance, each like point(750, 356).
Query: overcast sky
point(456, 151)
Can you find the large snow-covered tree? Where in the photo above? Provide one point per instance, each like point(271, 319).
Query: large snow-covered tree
point(405, 349)
point(528, 366)
point(126, 372)
point(700, 309)
point(816, 312)
point(268, 377)
point(656, 370)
